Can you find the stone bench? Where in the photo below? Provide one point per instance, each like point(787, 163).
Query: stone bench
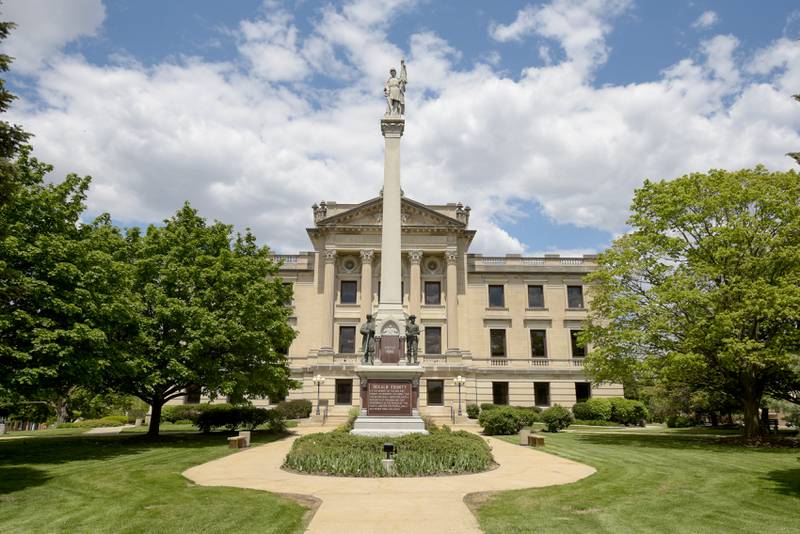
point(237, 442)
point(536, 441)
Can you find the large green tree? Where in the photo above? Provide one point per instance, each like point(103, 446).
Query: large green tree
point(60, 284)
point(705, 289)
point(209, 312)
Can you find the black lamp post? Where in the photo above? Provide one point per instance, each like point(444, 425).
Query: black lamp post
point(318, 380)
point(459, 380)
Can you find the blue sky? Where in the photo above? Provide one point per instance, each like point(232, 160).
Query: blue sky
point(544, 116)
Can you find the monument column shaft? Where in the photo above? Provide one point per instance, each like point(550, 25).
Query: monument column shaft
point(390, 233)
point(366, 283)
point(329, 293)
point(452, 300)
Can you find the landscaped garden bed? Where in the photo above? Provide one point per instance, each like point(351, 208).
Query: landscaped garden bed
point(342, 454)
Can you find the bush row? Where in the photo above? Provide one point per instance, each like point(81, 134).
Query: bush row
point(234, 417)
point(341, 453)
point(615, 409)
point(294, 409)
point(111, 420)
point(507, 420)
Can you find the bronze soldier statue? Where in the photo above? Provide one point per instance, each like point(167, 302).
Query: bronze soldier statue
point(368, 340)
point(412, 339)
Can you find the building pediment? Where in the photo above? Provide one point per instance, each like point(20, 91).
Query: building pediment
point(370, 213)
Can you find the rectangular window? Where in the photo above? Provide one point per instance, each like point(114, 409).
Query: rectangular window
point(541, 393)
point(577, 350)
point(433, 293)
point(497, 342)
point(433, 340)
point(435, 392)
point(497, 298)
point(499, 392)
point(583, 391)
point(536, 296)
point(574, 296)
point(538, 343)
point(348, 292)
point(344, 391)
point(347, 339)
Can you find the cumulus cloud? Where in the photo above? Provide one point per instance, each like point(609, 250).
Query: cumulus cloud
point(256, 146)
point(706, 20)
point(45, 26)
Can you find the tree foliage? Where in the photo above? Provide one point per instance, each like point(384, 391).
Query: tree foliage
point(59, 288)
point(208, 311)
point(705, 289)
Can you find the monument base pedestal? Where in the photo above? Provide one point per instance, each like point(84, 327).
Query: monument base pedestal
point(382, 425)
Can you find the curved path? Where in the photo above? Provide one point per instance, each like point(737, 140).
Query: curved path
point(395, 505)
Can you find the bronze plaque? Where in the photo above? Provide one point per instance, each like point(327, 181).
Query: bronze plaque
point(389, 349)
point(388, 397)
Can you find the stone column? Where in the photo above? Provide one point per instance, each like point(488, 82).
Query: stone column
point(390, 319)
point(415, 257)
point(366, 283)
point(452, 300)
point(329, 295)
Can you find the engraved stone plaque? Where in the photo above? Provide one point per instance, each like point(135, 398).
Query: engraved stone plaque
point(388, 397)
point(389, 349)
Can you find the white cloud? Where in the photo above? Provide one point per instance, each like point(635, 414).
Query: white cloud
point(45, 26)
point(256, 146)
point(706, 20)
point(580, 27)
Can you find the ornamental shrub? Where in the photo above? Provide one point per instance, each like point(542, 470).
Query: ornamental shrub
point(183, 422)
point(581, 411)
point(177, 412)
point(626, 411)
point(233, 417)
point(500, 421)
point(557, 418)
point(111, 420)
point(473, 410)
point(679, 421)
point(489, 406)
point(527, 414)
point(294, 409)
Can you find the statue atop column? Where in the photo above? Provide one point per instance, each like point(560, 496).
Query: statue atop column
point(412, 339)
point(395, 91)
point(368, 340)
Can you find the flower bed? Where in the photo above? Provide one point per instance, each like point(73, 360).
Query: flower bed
point(343, 454)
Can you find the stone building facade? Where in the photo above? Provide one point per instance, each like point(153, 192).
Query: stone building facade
point(506, 325)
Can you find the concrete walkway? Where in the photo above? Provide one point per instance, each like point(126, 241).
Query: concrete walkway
point(107, 429)
point(394, 505)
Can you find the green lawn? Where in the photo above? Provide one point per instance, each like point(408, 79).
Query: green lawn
point(656, 481)
point(128, 483)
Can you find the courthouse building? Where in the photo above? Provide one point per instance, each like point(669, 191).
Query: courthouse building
point(506, 324)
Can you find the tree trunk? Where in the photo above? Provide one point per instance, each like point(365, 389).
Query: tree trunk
point(714, 419)
point(61, 410)
point(155, 417)
point(752, 423)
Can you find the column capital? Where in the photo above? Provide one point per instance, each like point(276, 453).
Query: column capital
point(392, 126)
point(451, 256)
point(330, 256)
point(366, 255)
point(415, 256)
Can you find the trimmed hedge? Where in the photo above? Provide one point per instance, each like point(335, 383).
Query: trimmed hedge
point(110, 420)
point(294, 409)
point(679, 421)
point(500, 421)
point(233, 417)
point(615, 409)
point(473, 410)
point(556, 418)
point(341, 453)
point(190, 412)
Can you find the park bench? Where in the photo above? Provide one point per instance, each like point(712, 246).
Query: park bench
point(237, 442)
point(535, 441)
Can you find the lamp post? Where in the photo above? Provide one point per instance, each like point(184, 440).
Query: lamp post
point(459, 380)
point(318, 380)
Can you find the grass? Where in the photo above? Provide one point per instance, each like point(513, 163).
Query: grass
point(342, 454)
point(129, 484)
point(650, 480)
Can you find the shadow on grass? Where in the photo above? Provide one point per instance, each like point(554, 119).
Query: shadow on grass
point(18, 478)
point(59, 450)
point(786, 480)
point(660, 441)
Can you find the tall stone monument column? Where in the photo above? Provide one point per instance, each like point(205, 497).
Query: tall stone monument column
point(452, 300)
point(390, 320)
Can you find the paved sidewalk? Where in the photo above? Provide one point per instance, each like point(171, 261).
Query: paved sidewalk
point(394, 505)
point(107, 429)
